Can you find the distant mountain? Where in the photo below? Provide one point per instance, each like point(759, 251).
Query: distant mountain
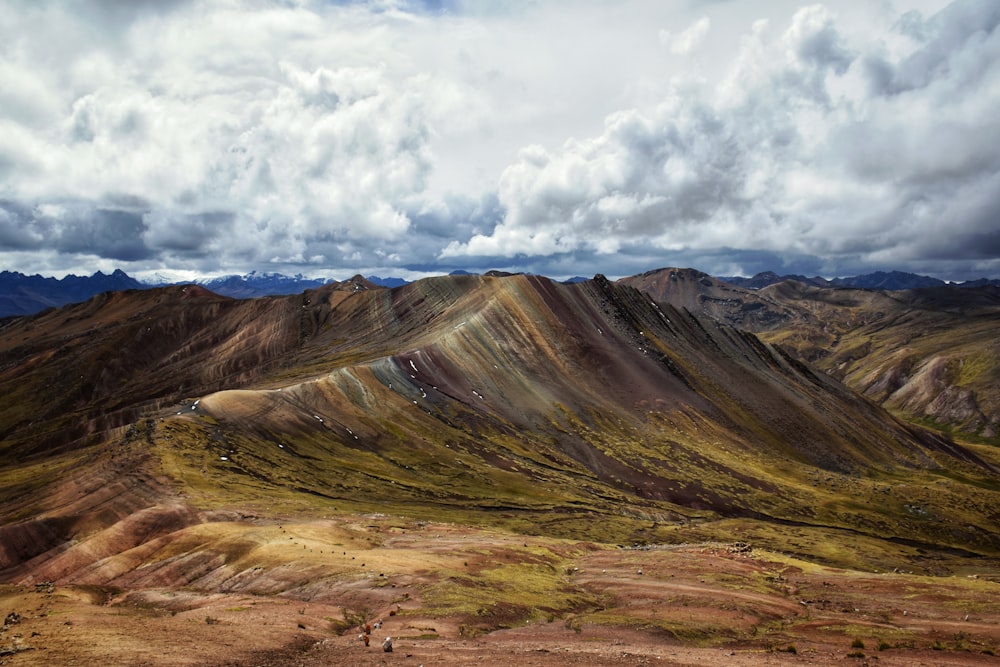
point(25, 295)
point(21, 294)
point(253, 285)
point(891, 280)
point(706, 296)
point(882, 280)
point(981, 282)
point(388, 282)
point(928, 353)
point(767, 278)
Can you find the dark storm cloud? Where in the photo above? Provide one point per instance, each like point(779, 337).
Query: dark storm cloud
point(74, 228)
point(193, 234)
point(971, 225)
point(104, 233)
point(986, 243)
point(18, 228)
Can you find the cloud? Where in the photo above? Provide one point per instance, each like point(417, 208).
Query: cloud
point(347, 136)
point(226, 135)
point(18, 230)
point(689, 39)
point(813, 39)
point(804, 148)
point(953, 49)
point(652, 176)
point(687, 174)
point(111, 233)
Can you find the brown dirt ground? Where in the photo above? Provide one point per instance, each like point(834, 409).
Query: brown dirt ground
point(689, 605)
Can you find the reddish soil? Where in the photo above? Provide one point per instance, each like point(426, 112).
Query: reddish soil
point(694, 605)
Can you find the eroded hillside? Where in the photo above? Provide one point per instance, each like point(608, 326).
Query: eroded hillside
point(930, 355)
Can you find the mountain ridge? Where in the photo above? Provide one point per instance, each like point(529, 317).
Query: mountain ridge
point(21, 294)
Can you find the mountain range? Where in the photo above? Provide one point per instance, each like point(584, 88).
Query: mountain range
point(25, 295)
point(168, 444)
point(861, 335)
point(22, 294)
point(881, 280)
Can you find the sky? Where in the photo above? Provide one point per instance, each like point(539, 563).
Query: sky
point(561, 137)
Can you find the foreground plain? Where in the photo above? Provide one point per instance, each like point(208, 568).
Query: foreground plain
point(451, 595)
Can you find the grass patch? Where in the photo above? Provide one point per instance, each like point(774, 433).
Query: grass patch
point(532, 587)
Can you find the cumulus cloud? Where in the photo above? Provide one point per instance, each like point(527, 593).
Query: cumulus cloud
point(689, 39)
point(812, 145)
point(691, 172)
point(236, 147)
